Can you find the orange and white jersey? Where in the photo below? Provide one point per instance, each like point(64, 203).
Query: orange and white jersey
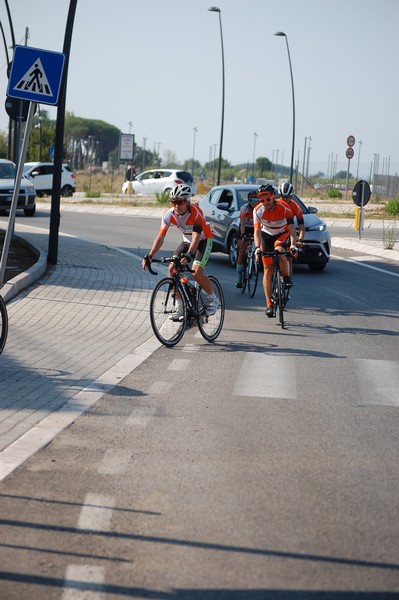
point(275, 221)
point(192, 220)
point(247, 215)
point(295, 209)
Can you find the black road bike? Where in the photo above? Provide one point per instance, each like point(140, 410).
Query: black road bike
point(280, 294)
point(250, 271)
point(3, 324)
point(168, 329)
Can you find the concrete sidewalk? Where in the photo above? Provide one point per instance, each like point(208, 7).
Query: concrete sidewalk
point(77, 329)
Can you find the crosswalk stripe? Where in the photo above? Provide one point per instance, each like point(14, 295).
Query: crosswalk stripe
point(265, 376)
point(378, 381)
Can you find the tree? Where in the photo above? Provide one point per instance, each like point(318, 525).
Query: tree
point(342, 175)
point(263, 164)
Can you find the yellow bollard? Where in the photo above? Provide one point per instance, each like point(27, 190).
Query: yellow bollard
point(128, 188)
point(357, 219)
point(201, 188)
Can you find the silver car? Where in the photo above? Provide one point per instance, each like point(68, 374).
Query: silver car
point(221, 207)
point(27, 193)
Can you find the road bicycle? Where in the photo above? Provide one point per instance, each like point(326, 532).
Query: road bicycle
point(3, 324)
point(169, 330)
point(250, 270)
point(280, 294)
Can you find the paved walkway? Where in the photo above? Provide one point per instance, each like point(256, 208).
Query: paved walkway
point(79, 330)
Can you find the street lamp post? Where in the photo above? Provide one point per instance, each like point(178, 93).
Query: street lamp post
point(192, 166)
point(217, 10)
point(282, 34)
point(253, 159)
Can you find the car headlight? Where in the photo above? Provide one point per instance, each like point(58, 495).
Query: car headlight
point(320, 227)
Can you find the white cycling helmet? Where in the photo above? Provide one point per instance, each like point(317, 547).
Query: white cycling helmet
point(286, 189)
point(180, 192)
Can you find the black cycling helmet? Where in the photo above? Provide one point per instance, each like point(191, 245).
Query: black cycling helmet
point(266, 189)
point(286, 189)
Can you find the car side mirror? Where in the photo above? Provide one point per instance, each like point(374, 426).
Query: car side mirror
point(224, 206)
point(34, 173)
point(312, 209)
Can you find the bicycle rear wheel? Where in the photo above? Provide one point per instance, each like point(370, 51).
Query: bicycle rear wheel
point(252, 274)
point(3, 324)
point(163, 303)
point(210, 326)
point(278, 298)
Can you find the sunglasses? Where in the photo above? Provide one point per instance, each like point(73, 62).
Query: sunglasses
point(178, 202)
point(266, 199)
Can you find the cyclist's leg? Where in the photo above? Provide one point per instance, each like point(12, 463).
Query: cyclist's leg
point(267, 261)
point(281, 245)
point(200, 261)
point(242, 257)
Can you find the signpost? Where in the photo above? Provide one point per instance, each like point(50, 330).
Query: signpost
point(35, 76)
point(349, 154)
point(361, 195)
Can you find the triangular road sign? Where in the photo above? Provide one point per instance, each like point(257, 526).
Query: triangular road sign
point(35, 80)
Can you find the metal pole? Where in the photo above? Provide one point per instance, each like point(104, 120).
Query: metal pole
point(59, 143)
point(192, 166)
point(303, 165)
point(216, 9)
point(282, 34)
point(15, 194)
point(253, 159)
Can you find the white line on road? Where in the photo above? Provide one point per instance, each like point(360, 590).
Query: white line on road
point(378, 381)
point(355, 261)
point(96, 513)
point(141, 416)
point(264, 376)
point(179, 364)
point(83, 582)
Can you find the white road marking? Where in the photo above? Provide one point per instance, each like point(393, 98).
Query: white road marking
point(39, 436)
point(141, 416)
point(378, 381)
point(190, 348)
point(83, 582)
point(114, 462)
point(264, 376)
point(354, 261)
point(179, 364)
point(96, 513)
point(160, 387)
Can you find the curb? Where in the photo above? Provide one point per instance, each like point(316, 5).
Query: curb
point(23, 280)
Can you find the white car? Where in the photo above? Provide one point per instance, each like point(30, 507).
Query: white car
point(159, 181)
point(27, 193)
point(41, 175)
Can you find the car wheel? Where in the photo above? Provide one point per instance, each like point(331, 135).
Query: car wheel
point(67, 191)
point(233, 249)
point(317, 266)
point(29, 212)
point(167, 191)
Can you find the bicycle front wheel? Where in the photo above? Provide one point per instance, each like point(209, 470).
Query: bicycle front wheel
point(168, 329)
point(3, 324)
point(244, 277)
point(210, 326)
point(253, 274)
point(279, 302)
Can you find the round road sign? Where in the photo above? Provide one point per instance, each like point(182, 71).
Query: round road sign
point(350, 141)
point(361, 188)
point(350, 153)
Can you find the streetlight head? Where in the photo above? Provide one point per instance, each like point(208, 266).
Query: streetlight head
point(214, 9)
point(281, 34)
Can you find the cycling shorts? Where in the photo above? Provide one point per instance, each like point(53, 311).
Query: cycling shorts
point(270, 242)
point(202, 254)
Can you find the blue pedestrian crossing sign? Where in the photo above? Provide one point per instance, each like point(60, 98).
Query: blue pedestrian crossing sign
point(36, 75)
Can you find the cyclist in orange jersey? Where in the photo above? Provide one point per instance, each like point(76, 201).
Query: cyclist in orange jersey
point(286, 193)
point(246, 230)
point(273, 228)
point(196, 244)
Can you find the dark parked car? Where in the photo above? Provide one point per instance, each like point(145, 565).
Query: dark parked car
point(221, 207)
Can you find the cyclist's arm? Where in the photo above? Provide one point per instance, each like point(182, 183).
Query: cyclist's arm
point(156, 245)
point(292, 230)
point(257, 236)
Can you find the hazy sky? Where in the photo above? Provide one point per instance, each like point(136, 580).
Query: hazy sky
point(157, 64)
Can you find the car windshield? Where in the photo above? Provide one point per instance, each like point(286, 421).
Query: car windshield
point(242, 195)
point(7, 171)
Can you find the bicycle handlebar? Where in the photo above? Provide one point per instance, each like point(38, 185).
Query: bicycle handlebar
point(167, 259)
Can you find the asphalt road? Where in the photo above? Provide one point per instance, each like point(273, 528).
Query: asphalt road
point(262, 466)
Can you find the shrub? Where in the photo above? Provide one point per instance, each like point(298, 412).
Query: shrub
point(92, 194)
point(392, 206)
point(333, 193)
point(162, 197)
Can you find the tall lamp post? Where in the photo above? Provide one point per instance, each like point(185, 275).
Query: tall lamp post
point(253, 158)
point(217, 10)
point(282, 34)
point(192, 166)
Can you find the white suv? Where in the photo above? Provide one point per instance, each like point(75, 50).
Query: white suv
point(41, 175)
point(159, 181)
point(26, 196)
